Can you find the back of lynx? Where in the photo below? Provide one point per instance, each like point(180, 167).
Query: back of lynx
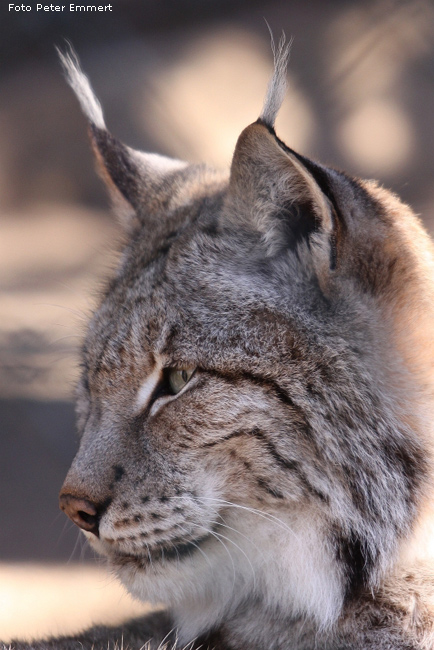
point(255, 403)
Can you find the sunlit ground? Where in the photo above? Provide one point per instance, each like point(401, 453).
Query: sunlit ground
point(39, 600)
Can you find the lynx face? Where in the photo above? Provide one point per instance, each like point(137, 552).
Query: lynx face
point(243, 432)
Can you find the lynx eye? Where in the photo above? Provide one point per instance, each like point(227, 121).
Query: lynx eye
point(178, 378)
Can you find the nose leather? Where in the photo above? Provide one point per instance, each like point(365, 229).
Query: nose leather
point(81, 511)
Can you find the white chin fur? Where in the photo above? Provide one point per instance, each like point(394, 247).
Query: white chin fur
point(204, 587)
point(292, 572)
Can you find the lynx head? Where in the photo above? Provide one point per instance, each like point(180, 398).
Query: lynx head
point(244, 432)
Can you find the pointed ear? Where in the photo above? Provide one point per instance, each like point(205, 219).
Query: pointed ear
point(140, 184)
point(272, 192)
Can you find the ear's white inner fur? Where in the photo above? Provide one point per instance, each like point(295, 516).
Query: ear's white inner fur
point(161, 165)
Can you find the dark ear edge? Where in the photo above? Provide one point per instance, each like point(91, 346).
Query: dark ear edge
point(140, 184)
point(115, 164)
point(322, 177)
point(274, 192)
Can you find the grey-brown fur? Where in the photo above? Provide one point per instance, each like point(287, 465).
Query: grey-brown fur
point(281, 499)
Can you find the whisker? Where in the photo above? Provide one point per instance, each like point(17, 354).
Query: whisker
point(67, 524)
point(79, 314)
point(241, 551)
point(238, 532)
point(73, 290)
point(213, 534)
point(200, 551)
point(84, 548)
point(265, 515)
point(64, 338)
point(76, 545)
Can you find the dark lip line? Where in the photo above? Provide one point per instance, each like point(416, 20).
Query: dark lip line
point(163, 552)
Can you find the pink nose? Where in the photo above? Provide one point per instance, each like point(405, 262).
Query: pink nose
point(81, 511)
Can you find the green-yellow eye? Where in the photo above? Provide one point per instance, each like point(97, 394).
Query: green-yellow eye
point(178, 378)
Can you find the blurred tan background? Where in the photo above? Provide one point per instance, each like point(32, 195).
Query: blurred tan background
point(183, 78)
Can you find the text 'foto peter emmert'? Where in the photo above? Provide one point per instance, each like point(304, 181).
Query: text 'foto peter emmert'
point(52, 7)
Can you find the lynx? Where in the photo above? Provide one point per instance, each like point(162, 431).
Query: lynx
point(255, 402)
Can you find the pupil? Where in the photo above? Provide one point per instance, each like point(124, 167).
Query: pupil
point(184, 375)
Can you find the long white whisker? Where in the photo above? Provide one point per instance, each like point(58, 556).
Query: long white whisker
point(76, 545)
point(213, 534)
point(241, 551)
point(204, 555)
point(265, 515)
point(198, 547)
point(229, 553)
point(238, 532)
point(177, 552)
point(64, 338)
point(260, 513)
